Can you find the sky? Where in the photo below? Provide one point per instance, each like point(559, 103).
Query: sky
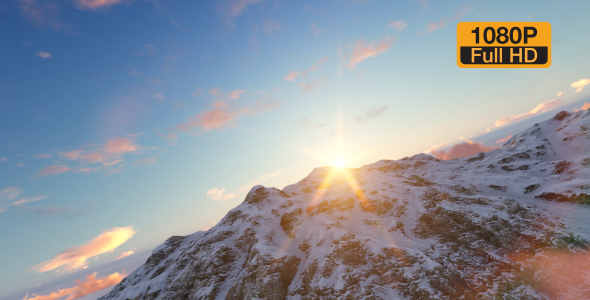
point(125, 122)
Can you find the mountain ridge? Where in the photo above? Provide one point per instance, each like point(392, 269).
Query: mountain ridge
point(489, 226)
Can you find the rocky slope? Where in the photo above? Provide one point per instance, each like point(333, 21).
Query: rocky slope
point(507, 224)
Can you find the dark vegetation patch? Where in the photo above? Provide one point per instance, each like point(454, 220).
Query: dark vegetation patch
point(416, 180)
point(498, 187)
point(531, 188)
point(479, 156)
point(561, 167)
point(581, 198)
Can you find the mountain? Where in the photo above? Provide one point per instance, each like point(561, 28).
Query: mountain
point(511, 223)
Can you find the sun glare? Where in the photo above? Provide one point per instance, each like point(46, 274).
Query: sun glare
point(339, 163)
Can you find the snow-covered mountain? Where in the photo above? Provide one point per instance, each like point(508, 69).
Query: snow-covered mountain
point(512, 223)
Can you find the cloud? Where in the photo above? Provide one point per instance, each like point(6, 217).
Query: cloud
point(125, 254)
point(216, 194)
point(41, 13)
point(82, 288)
point(504, 139)
point(10, 193)
point(29, 199)
point(146, 161)
point(269, 26)
point(76, 257)
point(580, 84)
point(433, 26)
point(234, 95)
point(96, 4)
point(291, 76)
point(398, 26)
point(260, 180)
point(109, 154)
point(559, 94)
point(462, 12)
point(539, 109)
point(209, 227)
point(198, 92)
point(315, 30)
point(4, 159)
point(465, 149)
point(55, 211)
point(43, 54)
point(175, 23)
point(371, 114)
point(159, 96)
point(52, 170)
point(312, 85)
point(234, 8)
point(147, 50)
point(210, 119)
point(316, 66)
point(362, 50)
point(586, 106)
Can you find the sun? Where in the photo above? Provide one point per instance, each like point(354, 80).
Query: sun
point(339, 163)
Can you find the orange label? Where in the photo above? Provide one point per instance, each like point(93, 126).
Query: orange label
point(504, 45)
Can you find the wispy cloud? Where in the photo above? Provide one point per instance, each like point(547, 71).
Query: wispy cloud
point(586, 106)
point(312, 85)
point(96, 4)
point(43, 54)
point(434, 26)
point(216, 194)
point(398, 26)
point(316, 31)
point(559, 94)
point(223, 111)
point(269, 26)
point(41, 13)
point(82, 288)
point(260, 180)
point(580, 84)
point(146, 161)
point(147, 50)
point(468, 148)
point(291, 76)
point(77, 257)
point(504, 139)
point(125, 254)
point(234, 8)
point(371, 114)
point(539, 109)
point(363, 50)
point(109, 154)
point(52, 170)
point(29, 199)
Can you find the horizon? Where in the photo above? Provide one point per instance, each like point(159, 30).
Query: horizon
point(127, 122)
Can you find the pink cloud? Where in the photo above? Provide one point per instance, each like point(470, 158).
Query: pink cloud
point(586, 106)
point(42, 14)
point(312, 85)
point(362, 50)
point(398, 25)
point(43, 54)
point(216, 194)
point(146, 161)
point(466, 149)
point(120, 146)
point(580, 84)
point(125, 254)
point(236, 94)
point(539, 109)
point(433, 26)
point(96, 4)
point(234, 8)
point(77, 257)
point(82, 288)
point(211, 119)
point(52, 170)
point(504, 139)
point(291, 76)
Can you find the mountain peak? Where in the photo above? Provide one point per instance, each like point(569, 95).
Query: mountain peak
point(488, 226)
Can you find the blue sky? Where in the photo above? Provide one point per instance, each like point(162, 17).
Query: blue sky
point(125, 122)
